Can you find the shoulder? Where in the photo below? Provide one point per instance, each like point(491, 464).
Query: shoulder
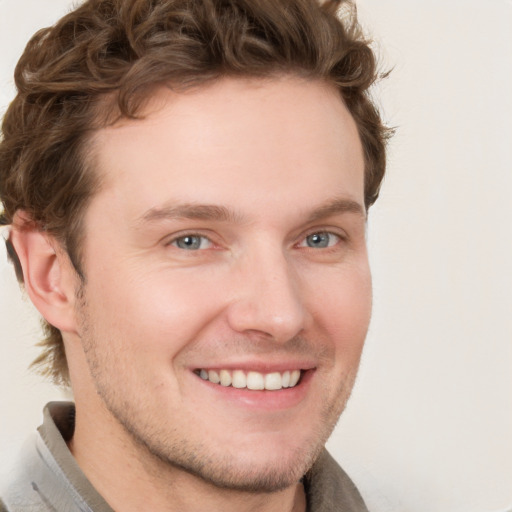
point(3, 508)
point(329, 488)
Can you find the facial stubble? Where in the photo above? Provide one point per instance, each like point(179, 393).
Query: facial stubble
point(170, 450)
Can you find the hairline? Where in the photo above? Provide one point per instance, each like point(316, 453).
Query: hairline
point(106, 114)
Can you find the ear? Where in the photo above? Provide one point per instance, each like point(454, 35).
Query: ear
point(49, 277)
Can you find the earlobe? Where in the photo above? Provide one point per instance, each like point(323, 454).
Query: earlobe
point(46, 273)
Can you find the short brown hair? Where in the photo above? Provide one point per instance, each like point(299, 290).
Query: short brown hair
point(112, 53)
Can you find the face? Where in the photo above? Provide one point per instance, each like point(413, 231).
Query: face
point(227, 291)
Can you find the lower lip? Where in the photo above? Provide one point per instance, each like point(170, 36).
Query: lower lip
point(264, 400)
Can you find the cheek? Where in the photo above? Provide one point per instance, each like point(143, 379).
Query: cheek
point(152, 312)
point(343, 309)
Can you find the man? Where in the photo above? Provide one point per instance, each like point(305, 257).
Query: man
point(187, 184)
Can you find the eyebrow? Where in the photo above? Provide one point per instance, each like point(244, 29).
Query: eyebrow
point(336, 207)
point(224, 214)
point(192, 211)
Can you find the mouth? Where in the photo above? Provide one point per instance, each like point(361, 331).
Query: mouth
point(252, 380)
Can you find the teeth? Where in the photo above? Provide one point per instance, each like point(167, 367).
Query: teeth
point(273, 381)
point(255, 381)
point(239, 379)
point(225, 378)
point(294, 377)
point(252, 380)
point(213, 376)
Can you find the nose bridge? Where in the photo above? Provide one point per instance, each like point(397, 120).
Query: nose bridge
point(267, 295)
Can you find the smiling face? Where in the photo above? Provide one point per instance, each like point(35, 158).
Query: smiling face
point(228, 292)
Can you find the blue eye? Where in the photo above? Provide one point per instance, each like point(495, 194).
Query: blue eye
point(321, 240)
point(192, 242)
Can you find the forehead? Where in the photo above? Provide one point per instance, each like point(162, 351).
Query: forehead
point(233, 139)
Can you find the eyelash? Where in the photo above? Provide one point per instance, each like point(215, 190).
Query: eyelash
point(174, 242)
point(303, 242)
point(330, 234)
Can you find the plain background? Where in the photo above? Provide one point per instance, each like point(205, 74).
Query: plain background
point(429, 426)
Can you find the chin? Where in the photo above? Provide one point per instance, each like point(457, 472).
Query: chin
point(245, 475)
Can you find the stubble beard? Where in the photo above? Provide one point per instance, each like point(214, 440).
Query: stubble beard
point(163, 451)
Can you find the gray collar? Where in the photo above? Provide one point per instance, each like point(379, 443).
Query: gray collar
point(48, 479)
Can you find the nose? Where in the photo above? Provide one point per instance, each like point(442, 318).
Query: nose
point(267, 299)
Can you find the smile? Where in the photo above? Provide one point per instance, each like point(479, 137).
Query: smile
point(251, 380)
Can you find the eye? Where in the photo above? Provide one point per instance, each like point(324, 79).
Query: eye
point(192, 242)
point(320, 240)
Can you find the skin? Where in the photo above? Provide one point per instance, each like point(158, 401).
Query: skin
point(251, 170)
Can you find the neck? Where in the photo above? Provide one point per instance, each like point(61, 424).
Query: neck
point(131, 479)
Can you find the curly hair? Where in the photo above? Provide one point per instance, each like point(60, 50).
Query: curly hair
point(102, 60)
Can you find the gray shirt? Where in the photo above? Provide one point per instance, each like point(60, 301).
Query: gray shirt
point(48, 479)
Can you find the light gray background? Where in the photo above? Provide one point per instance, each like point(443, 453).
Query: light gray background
point(429, 427)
